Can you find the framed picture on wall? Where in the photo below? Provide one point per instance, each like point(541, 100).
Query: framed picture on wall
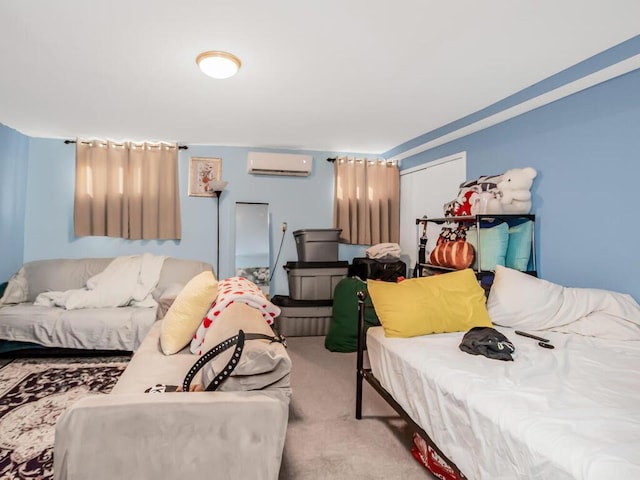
point(204, 174)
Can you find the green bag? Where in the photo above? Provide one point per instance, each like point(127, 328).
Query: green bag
point(343, 329)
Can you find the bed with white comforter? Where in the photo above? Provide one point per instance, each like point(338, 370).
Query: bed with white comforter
point(572, 412)
point(568, 413)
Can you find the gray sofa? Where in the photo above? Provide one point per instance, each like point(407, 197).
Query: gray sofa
point(106, 328)
point(128, 433)
point(131, 434)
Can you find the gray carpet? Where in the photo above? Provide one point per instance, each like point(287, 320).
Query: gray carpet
point(324, 439)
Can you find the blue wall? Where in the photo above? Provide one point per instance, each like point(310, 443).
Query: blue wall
point(14, 148)
point(302, 202)
point(586, 150)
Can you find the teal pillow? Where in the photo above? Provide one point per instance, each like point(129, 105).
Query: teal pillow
point(519, 248)
point(493, 246)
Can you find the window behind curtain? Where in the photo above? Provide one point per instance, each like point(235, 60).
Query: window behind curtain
point(367, 201)
point(127, 190)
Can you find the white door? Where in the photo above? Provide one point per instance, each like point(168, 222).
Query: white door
point(423, 191)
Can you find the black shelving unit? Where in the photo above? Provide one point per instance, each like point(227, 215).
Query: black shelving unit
point(479, 221)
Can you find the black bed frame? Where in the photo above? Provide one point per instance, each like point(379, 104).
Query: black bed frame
point(366, 374)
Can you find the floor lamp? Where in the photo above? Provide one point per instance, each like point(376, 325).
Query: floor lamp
point(218, 187)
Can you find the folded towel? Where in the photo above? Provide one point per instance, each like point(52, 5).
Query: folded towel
point(384, 250)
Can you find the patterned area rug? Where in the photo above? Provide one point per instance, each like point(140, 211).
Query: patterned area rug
point(33, 394)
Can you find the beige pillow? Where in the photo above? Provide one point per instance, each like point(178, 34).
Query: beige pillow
point(186, 312)
point(17, 289)
point(262, 363)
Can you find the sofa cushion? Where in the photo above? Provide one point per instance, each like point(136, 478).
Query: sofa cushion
point(59, 275)
point(149, 366)
point(179, 270)
point(186, 313)
point(16, 289)
point(262, 363)
point(108, 328)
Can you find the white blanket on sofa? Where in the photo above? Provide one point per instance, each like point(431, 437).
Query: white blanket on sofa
point(127, 281)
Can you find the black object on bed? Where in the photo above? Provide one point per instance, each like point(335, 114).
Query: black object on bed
point(366, 374)
point(487, 341)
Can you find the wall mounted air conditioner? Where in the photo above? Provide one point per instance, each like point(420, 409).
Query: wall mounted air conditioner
point(260, 163)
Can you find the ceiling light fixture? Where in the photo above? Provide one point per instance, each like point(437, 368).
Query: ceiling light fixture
point(218, 64)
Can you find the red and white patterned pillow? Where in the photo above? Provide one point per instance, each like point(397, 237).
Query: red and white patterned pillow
point(230, 290)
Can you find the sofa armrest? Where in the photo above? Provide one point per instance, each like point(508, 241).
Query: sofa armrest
point(172, 435)
point(165, 298)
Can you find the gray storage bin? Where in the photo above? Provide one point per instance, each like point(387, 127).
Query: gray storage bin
point(314, 280)
point(317, 245)
point(302, 319)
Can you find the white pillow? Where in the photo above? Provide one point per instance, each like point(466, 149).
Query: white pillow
point(524, 302)
point(17, 289)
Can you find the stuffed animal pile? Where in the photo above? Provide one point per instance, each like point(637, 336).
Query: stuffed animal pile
point(506, 193)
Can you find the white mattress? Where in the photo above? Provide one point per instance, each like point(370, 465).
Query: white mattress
point(568, 413)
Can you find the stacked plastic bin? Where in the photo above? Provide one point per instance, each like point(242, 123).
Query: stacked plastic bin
point(312, 279)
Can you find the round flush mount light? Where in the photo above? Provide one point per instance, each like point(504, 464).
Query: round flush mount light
point(218, 64)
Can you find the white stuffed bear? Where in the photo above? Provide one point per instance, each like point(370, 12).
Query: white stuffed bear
point(486, 202)
point(514, 189)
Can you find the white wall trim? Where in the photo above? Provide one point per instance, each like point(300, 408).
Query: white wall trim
point(439, 161)
point(607, 73)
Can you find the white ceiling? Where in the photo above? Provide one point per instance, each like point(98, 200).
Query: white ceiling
point(341, 75)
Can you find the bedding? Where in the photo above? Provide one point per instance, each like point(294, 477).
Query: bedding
point(127, 281)
point(568, 413)
point(114, 328)
point(23, 324)
point(525, 302)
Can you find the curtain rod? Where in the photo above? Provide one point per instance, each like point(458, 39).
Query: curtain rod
point(388, 162)
point(180, 147)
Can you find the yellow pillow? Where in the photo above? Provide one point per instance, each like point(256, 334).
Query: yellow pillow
point(187, 311)
point(449, 302)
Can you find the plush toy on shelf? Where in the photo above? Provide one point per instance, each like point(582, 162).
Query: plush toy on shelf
point(476, 197)
point(514, 189)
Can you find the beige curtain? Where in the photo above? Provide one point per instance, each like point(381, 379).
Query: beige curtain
point(127, 190)
point(367, 201)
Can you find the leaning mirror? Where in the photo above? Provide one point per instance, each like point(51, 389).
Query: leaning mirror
point(252, 243)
